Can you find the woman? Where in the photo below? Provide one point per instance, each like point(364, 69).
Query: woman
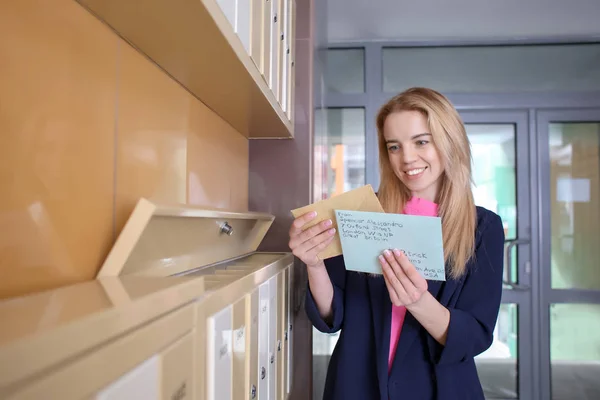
point(403, 337)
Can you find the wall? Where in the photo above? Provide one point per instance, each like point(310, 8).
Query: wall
point(88, 126)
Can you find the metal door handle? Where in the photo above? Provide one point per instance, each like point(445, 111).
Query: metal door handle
point(509, 281)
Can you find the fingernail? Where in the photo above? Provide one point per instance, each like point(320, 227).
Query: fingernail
point(312, 214)
point(328, 222)
point(386, 252)
point(397, 252)
point(381, 258)
point(332, 231)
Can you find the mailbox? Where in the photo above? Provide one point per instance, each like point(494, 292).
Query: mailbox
point(184, 307)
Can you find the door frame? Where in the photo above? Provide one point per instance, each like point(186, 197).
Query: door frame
point(525, 161)
point(549, 296)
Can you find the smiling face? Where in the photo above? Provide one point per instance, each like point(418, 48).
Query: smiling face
point(412, 154)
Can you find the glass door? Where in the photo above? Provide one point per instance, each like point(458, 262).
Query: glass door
point(569, 147)
point(502, 184)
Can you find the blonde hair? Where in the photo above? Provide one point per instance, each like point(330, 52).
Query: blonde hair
point(456, 206)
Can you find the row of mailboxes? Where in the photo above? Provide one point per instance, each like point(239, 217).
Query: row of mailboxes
point(266, 30)
point(249, 345)
point(243, 351)
point(154, 325)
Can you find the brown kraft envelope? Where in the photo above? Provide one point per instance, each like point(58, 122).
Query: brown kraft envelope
point(361, 199)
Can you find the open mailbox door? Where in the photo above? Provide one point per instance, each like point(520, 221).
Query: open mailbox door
point(168, 240)
point(190, 310)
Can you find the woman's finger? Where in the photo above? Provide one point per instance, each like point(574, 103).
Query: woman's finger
point(391, 275)
point(392, 259)
point(314, 252)
point(298, 239)
point(312, 243)
point(400, 262)
point(298, 224)
point(393, 295)
point(412, 286)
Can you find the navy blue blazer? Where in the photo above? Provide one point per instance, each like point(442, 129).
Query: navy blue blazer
point(422, 368)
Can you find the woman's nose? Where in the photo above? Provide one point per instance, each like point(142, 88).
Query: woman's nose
point(409, 155)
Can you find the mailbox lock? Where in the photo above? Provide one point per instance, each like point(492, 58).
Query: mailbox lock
point(263, 372)
point(279, 345)
point(286, 336)
point(227, 229)
point(271, 358)
point(253, 392)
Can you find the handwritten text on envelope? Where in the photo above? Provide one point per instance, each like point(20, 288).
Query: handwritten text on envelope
point(365, 235)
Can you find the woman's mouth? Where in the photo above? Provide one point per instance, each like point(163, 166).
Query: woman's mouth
point(414, 173)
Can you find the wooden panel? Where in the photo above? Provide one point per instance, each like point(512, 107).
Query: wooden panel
point(79, 379)
point(217, 162)
point(194, 42)
point(48, 328)
point(152, 133)
point(56, 144)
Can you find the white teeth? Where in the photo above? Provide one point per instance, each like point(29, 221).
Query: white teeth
point(415, 171)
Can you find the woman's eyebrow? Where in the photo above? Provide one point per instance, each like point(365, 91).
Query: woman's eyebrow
point(420, 135)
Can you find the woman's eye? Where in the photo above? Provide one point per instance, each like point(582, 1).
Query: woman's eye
point(393, 148)
point(422, 142)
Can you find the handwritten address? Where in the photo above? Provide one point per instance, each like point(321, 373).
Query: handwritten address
point(377, 231)
point(365, 236)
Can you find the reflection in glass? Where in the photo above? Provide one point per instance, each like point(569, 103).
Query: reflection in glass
point(339, 151)
point(497, 366)
point(494, 176)
point(575, 205)
point(575, 351)
point(345, 71)
point(323, 345)
point(339, 166)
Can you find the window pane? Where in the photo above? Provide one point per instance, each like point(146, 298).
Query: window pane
point(497, 366)
point(345, 70)
point(339, 151)
point(494, 176)
point(323, 345)
point(575, 351)
point(575, 205)
point(493, 69)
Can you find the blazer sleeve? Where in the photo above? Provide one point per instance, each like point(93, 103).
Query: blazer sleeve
point(473, 318)
point(337, 274)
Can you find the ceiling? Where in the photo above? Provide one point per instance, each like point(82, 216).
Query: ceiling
point(427, 20)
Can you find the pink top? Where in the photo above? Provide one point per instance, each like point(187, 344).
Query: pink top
point(415, 206)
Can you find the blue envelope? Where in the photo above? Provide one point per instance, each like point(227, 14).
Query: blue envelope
point(365, 235)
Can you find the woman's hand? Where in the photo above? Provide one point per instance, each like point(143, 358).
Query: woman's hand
point(405, 284)
point(306, 244)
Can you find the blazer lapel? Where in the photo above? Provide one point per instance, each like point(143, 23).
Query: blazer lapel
point(411, 327)
point(434, 288)
point(381, 311)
